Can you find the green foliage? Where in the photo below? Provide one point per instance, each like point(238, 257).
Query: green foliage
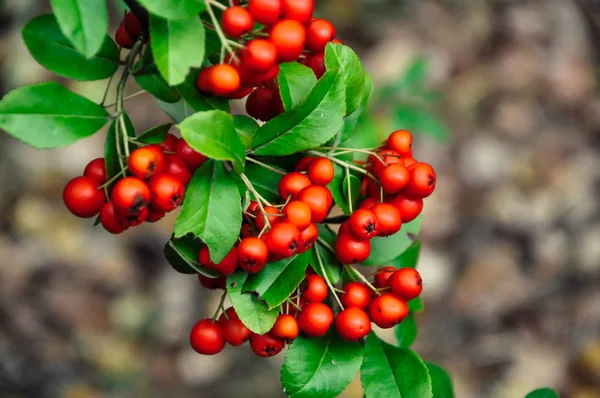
point(177, 45)
point(155, 135)
point(54, 51)
point(320, 367)
point(265, 182)
point(542, 393)
point(441, 384)
point(252, 311)
point(182, 254)
point(177, 10)
point(246, 127)
point(345, 186)
point(328, 260)
point(153, 82)
point(212, 210)
point(111, 153)
point(393, 372)
point(27, 114)
point(384, 250)
point(83, 22)
point(295, 82)
point(406, 331)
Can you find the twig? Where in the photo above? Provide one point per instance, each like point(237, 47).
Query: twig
point(327, 279)
point(266, 166)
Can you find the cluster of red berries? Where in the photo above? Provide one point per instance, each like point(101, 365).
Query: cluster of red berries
point(383, 303)
point(128, 31)
point(291, 34)
point(396, 197)
point(155, 185)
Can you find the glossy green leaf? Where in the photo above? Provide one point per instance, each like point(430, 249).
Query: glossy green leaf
point(177, 46)
point(339, 188)
point(154, 83)
point(406, 331)
point(442, 384)
point(542, 393)
point(384, 250)
point(169, 9)
point(313, 122)
point(266, 182)
point(182, 255)
point(178, 111)
point(47, 115)
point(320, 367)
point(54, 51)
point(155, 135)
point(246, 127)
point(198, 101)
point(333, 266)
point(295, 82)
point(213, 134)
point(111, 152)
point(278, 280)
point(253, 312)
point(409, 258)
point(338, 56)
point(83, 22)
point(393, 372)
point(352, 120)
point(212, 210)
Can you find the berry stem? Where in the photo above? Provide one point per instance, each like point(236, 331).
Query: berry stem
point(110, 79)
point(350, 207)
point(127, 98)
point(218, 30)
point(216, 4)
point(345, 164)
point(326, 245)
point(294, 304)
point(336, 219)
point(327, 278)
point(361, 277)
point(258, 197)
point(266, 166)
point(220, 307)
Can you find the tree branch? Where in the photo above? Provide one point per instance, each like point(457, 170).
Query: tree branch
point(140, 13)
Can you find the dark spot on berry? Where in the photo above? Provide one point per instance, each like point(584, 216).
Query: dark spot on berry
point(152, 166)
point(370, 227)
point(431, 180)
point(175, 199)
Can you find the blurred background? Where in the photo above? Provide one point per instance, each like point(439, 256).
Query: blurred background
point(503, 98)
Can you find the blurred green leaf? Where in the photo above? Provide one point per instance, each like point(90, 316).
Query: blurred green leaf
point(169, 9)
point(420, 120)
point(442, 384)
point(406, 331)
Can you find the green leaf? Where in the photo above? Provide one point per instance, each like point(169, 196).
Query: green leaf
point(442, 384)
point(155, 135)
point(47, 115)
point(212, 210)
point(111, 154)
point(246, 127)
point(338, 56)
point(320, 367)
point(177, 46)
point(295, 82)
point(213, 134)
point(339, 188)
point(406, 331)
point(421, 121)
point(253, 312)
point(83, 22)
point(178, 111)
point(266, 182)
point(416, 305)
point(154, 83)
point(352, 120)
point(393, 372)
point(182, 254)
point(313, 122)
point(277, 281)
point(333, 266)
point(198, 101)
point(542, 393)
point(54, 51)
point(409, 258)
point(384, 250)
point(169, 9)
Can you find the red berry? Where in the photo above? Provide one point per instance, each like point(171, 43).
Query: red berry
point(385, 158)
point(315, 289)
point(285, 327)
point(302, 165)
point(258, 104)
point(237, 21)
point(259, 56)
point(422, 181)
point(282, 240)
point(169, 144)
point(319, 200)
point(368, 203)
point(406, 283)
point(235, 332)
point(409, 208)
point(227, 266)
point(387, 310)
point(207, 338)
point(112, 221)
point(252, 254)
point(265, 345)
point(154, 215)
point(320, 171)
point(228, 314)
point(308, 237)
point(400, 141)
point(203, 80)
point(292, 183)
point(356, 294)
point(167, 191)
point(273, 215)
point(224, 80)
point(383, 275)
point(212, 283)
point(123, 38)
point(315, 319)
point(409, 162)
point(350, 250)
point(83, 197)
point(352, 324)
point(131, 196)
point(300, 10)
point(394, 177)
point(146, 161)
point(191, 157)
point(96, 169)
point(319, 32)
point(289, 37)
point(389, 218)
point(177, 168)
point(132, 24)
point(317, 64)
point(363, 224)
point(136, 218)
point(266, 12)
point(298, 213)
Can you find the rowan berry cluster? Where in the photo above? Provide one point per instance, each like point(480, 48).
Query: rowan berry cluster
point(152, 184)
